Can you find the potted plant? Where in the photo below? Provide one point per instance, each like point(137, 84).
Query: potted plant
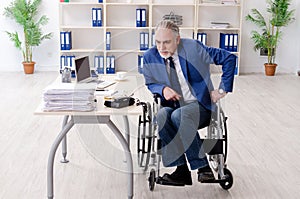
point(279, 16)
point(25, 13)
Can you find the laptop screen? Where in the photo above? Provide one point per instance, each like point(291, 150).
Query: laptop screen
point(82, 67)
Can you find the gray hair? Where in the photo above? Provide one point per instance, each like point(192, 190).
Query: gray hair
point(168, 24)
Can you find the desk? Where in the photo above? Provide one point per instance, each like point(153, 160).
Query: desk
point(101, 115)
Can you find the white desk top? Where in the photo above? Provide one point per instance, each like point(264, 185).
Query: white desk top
point(134, 83)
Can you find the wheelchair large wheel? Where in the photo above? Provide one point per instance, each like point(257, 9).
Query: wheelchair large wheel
point(213, 133)
point(151, 180)
point(229, 180)
point(145, 134)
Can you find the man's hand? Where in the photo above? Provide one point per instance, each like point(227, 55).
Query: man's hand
point(216, 95)
point(170, 94)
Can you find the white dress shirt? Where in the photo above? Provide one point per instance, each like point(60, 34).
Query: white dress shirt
point(186, 92)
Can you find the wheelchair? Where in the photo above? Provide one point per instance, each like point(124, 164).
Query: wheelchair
point(215, 145)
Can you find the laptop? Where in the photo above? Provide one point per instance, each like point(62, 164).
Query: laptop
point(83, 73)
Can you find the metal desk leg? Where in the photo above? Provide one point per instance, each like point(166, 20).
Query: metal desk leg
point(51, 157)
point(127, 130)
point(64, 142)
point(126, 148)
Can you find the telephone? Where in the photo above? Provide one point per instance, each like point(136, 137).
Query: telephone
point(119, 102)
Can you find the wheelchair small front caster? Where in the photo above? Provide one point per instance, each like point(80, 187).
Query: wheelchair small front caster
point(151, 180)
point(227, 184)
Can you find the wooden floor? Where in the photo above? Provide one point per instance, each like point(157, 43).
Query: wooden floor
point(264, 146)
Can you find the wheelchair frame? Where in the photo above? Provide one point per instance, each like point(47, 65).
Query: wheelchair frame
point(215, 145)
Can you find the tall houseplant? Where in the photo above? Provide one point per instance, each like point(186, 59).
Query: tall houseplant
point(279, 16)
point(25, 13)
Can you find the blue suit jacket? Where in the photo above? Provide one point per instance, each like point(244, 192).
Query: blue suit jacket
point(194, 58)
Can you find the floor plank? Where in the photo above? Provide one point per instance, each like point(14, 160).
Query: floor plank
point(264, 146)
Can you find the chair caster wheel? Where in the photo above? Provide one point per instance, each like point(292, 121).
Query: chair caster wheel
point(229, 180)
point(151, 180)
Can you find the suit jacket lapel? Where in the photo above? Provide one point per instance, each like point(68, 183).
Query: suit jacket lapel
point(182, 59)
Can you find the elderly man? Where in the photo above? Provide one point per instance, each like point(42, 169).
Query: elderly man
point(178, 70)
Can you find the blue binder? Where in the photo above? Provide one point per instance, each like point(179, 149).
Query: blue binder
point(94, 17)
point(112, 64)
point(73, 73)
point(63, 63)
point(146, 39)
point(68, 40)
point(199, 36)
point(143, 18)
point(140, 63)
point(153, 39)
point(236, 70)
point(224, 41)
point(142, 40)
point(100, 1)
point(101, 64)
point(108, 40)
point(70, 60)
point(99, 17)
point(230, 44)
point(138, 17)
point(107, 64)
point(62, 41)
point(235, 42)
point(202, 37)
point(98, 64)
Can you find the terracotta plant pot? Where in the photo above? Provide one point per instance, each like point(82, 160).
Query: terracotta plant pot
point(28, 67)
point(270, 69)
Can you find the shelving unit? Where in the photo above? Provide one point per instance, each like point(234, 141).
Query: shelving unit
point(119, 18)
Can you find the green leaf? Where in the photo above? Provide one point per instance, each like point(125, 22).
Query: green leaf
point(26, 14)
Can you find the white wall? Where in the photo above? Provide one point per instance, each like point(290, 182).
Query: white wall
point(47, 54)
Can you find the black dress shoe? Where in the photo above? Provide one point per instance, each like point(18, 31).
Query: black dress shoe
point(177, 178)
point(205, 174)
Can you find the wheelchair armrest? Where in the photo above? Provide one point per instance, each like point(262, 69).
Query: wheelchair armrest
point(157, 102)
point(156, 97)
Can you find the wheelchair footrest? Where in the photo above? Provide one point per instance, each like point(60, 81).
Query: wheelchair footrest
point(161, 181)
point(216, 180)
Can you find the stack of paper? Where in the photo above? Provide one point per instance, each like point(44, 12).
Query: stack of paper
point(69, 97)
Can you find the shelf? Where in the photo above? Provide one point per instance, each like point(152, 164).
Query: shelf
point(82, 27)
point(125, 51)
point(80, 3)
point(82, 51)
point(218, 5)
point(126, 28)
point(127, 4)
point(119, 18)
point(175, 4)
point(218, 29)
